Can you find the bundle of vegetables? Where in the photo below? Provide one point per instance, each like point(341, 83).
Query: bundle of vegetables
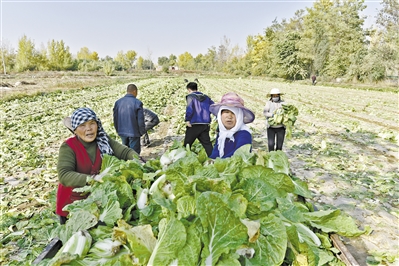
point(286, 116)
point(243, 210)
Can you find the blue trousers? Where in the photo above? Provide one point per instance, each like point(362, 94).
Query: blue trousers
point(132, 142)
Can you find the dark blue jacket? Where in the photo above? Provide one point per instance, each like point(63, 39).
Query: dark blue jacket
point(241, 138)
point(129, 117)
point(197, 110)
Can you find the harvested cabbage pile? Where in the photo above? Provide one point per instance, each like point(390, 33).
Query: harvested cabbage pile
point(243, 210)
point(287, 116)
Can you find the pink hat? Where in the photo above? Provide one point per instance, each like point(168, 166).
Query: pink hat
point(231, 99)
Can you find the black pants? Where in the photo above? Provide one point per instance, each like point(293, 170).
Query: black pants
point(200, 132)
point(275, 137)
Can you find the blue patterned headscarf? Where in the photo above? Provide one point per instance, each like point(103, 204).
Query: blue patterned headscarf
point(84, 114)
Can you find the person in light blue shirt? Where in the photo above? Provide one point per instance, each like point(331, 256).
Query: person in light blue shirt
point(232, 118)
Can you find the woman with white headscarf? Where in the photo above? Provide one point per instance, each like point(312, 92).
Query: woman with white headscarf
point(232, 118)
point(80, 156)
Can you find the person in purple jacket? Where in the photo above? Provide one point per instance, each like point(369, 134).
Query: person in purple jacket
point(232, 118)
point(198, 118)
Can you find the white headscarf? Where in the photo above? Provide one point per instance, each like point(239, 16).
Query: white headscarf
point(229, 133)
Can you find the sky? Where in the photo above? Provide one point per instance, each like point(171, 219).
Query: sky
point(151, 28)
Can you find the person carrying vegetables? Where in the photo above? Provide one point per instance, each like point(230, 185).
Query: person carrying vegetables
point(151, 119)
point(275, 132)
point(232, 118)
point(80, 156)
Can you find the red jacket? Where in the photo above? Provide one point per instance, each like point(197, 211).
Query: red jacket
point(65, 195)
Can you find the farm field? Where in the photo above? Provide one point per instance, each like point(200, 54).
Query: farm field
point(344, 145)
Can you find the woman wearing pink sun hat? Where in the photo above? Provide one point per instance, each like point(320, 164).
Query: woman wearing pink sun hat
point(232, 118)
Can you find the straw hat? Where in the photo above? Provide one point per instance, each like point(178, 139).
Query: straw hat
point(231, 99)
point(274, 91)
point(68, 123)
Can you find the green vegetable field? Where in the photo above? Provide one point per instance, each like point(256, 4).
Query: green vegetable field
point(342, 157)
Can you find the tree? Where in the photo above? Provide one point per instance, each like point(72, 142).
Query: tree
point(84, 54)
point(26, 55)
point(209, 59)
point(59, 57)
point(94, 56)
point(332, 34)
point(7, 57)
point(172, 60)
point(148, 64)
point(386, 38)
point(288, 56)
point(223, 53)
point(163, 61)
point(140, 61)
point(186, 61)
point(126, 60)
point(131, 57)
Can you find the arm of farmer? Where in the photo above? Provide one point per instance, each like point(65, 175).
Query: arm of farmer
point(266, 110)
point(67, 163)
point(66, 166)
point(121, 151)
point(140, 119)
point(189, 111)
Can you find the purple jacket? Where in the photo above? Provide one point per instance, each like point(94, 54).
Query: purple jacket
point(197, 110)
point(241, 138)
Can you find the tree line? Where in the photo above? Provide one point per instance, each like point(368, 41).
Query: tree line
point(327, 39)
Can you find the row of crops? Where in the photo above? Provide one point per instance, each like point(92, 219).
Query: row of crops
point(33, 132)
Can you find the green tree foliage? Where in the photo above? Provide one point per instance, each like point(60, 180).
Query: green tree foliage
point(140, 62)
point(332, 33)
point(88, 61)
point(261, 51)
point(288, 61)
point(148, 64)
point(386, 37)
point(131, 57)
point(172, 60)
point(163, 61)
point(126, 60)
point(84, 54)
point(94, 56)
point(209, 59)
point(326, 39)
point(7, 57)
point(186, 61)
point(108, 67)
point(59, 57)
point(27, 56)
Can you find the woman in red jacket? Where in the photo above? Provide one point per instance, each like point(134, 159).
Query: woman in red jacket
point(80, 156)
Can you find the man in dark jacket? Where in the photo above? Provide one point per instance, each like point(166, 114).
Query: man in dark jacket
point(198, 118)
point(129, 118)
point(150, 120)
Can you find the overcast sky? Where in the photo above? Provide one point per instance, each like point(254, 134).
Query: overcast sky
point(151, 28)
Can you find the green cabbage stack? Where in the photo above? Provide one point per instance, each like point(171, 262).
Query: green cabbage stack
point(287, 116)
